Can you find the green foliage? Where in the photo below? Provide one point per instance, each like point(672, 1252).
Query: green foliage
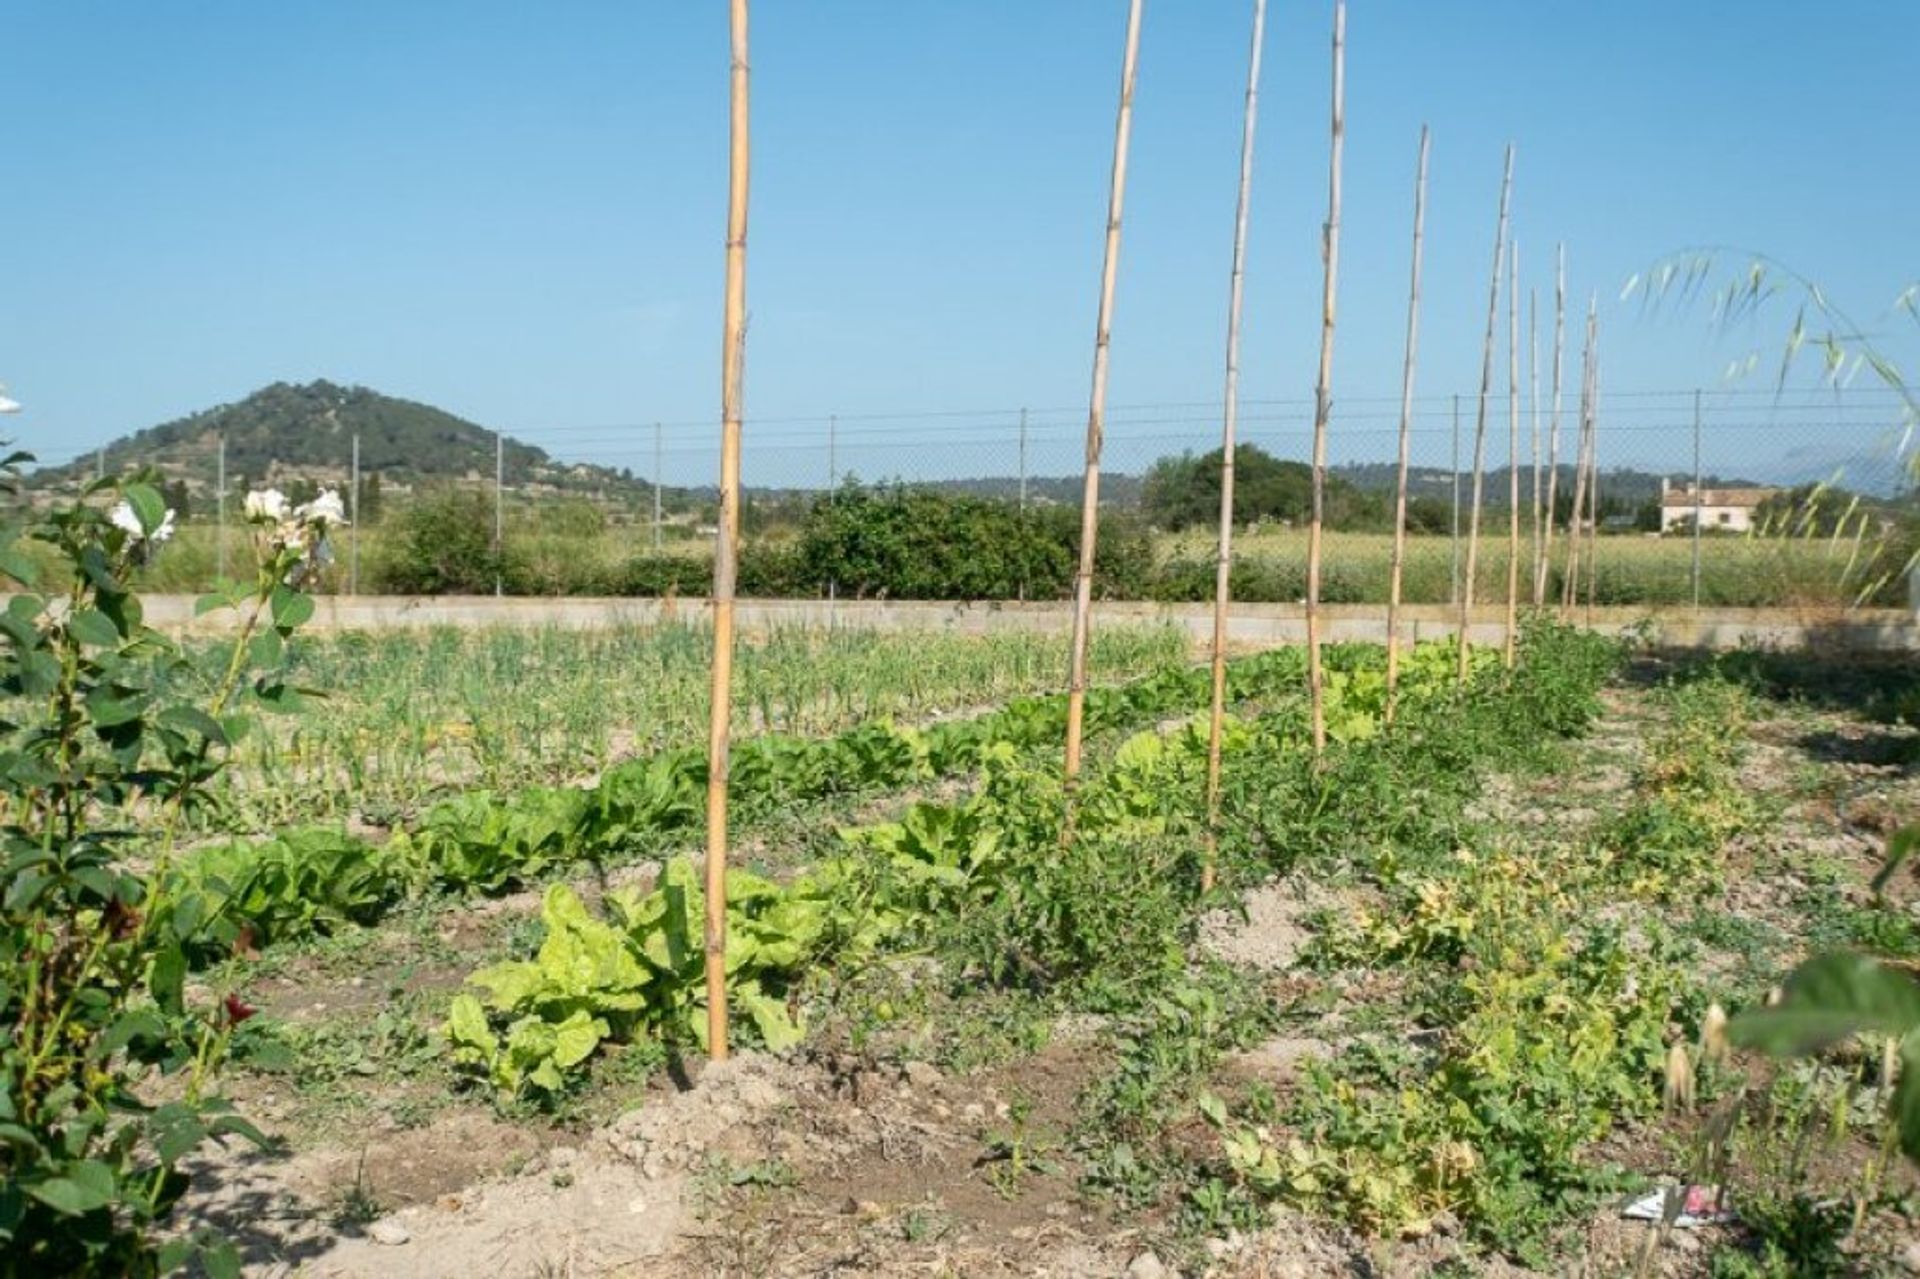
point(299, 883)
point(642, 970)
point(1184, 491)
point(112, 733)
point(477, 843)
point(1687, 800)
point(441, 544)
point(1833, 997)
point(1553, 1033)
point(914, 543)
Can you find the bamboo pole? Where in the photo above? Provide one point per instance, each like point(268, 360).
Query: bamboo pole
point(1570, 586)
point(1593, 487)
point(1323, 388)
point(1480, 419)
point(1533, 413)
point(1229, 422)
point(726, 549)
point(1553, 431)
point(1097, 402)
point(1510, 648)
point(1406, 429)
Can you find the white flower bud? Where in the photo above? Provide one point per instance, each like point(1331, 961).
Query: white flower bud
point(266, 506)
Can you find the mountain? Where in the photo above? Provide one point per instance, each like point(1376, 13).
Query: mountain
point(282, 431)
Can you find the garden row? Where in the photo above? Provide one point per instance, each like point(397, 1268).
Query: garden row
point(249, 893)
point(1024, 884)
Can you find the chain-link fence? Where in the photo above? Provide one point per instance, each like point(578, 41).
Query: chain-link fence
point(1798, 497)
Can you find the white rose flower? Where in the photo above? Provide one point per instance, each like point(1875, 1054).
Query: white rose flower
point(122, 517)
point(327, 510)
point(165, 531)
point(266, 506)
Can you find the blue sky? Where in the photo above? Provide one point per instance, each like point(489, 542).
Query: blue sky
point(515, 211)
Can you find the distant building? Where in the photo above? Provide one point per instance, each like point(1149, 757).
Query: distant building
point(1729, 509)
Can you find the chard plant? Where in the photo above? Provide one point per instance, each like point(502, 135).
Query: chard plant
point(109, 736)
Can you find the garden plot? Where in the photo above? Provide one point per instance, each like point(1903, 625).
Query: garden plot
point(1304, 1083)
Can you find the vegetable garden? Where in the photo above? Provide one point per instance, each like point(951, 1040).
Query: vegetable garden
point(1439, 995)
point(421, 957)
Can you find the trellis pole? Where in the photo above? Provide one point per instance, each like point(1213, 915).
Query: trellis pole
point(1097, 402)
point(1323, 388)
point(1480, 420)
point(1229, 421)
point(1570, 587)
point(1406, 430)
point(1510, 645)
point(726, 550)
point(1553, 426)
point(1533, 413)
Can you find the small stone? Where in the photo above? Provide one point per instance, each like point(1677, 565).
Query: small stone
point(1910, 1258)
point(448, 1203)
point(637, 1205)
point(973, 1110)
point(1218, 1249)
point(1146, 1266)
point(922, 1075)
point(562, 1157)
point(851, 1208)
point(941, 1110)
point(389, 1232)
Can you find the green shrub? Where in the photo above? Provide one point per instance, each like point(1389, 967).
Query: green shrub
point(441, 544)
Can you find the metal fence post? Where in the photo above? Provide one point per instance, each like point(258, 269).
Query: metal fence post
point(1453, 573)
point(499, 516)
point(1023, 460)
point(1699, 500)
point(353, 523)
point(220, 509)
point(656, 488)
point(833, 467)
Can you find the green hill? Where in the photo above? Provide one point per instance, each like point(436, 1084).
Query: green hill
point(285, 431)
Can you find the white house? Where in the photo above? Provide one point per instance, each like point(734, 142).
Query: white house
point(1729, 509)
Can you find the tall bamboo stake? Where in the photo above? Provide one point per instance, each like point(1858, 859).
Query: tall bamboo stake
point(1406, 429)
point(1533, 413)
point(1097, 402)
point(726, 550)
point(1511, 649)
point(1229, 422)
point(1570, 586)
point(1553, 443)
point(1323, 388)
point(1480, 420)
point(1593, 486)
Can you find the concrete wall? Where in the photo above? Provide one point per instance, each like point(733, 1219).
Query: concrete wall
point(1250, 625)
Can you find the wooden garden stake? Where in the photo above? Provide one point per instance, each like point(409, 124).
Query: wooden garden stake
point(1406, 430)
point(1570, 587)
point(726, 549)
point(1512, 637)
point(1593, 486)
point(1323, 388)
point(1480, 419)
point(1553, 426)
point(1533, 413)
point(1097, 403)
point(1229, 420)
